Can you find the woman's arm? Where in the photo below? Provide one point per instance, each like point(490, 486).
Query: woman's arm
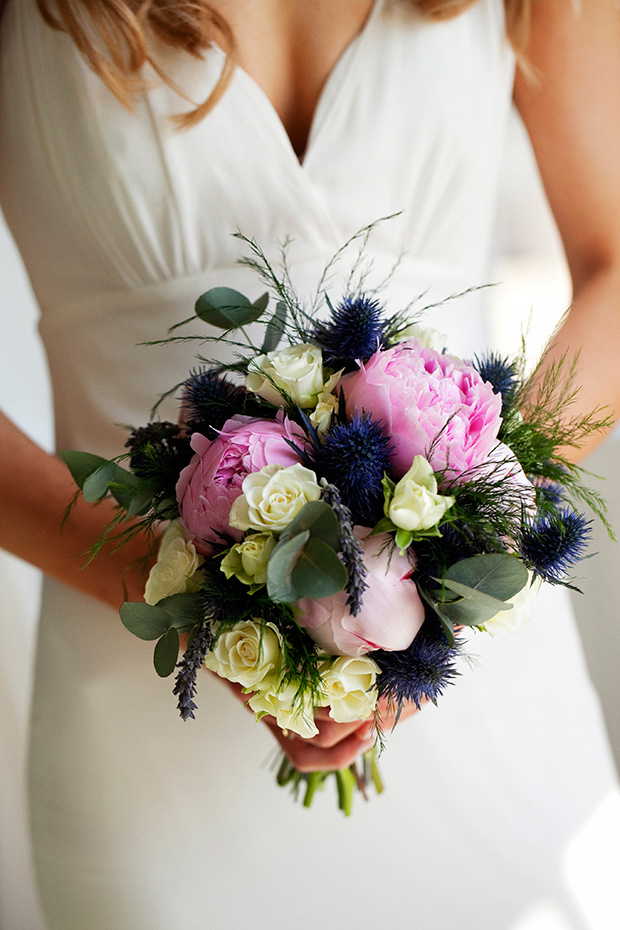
point(36, 490)
point(571, 109)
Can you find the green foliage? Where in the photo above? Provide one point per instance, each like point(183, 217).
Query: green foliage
point(305, 561)
point(475, 589)
point(162, 621)
point(228, 309)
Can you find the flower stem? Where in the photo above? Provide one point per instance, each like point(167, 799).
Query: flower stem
point(346, 786)
point(313, 781)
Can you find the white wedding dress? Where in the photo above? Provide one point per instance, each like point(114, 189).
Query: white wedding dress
point(501, 810)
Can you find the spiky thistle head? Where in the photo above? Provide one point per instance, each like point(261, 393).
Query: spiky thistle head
point(353, 456)
point(500, 373)
point(420, 672)
point(209, 400)
point(355, 330)
point(555, 543)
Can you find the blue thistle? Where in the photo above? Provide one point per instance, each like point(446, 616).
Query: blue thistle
point(355, 331)
point(501, 374)
point(420, 672)
point(353, 456)
point(209, 400)
point(555, 543)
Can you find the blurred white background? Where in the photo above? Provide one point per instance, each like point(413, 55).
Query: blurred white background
point(534, 286)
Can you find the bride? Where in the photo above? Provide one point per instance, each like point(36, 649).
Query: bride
point(136, 137)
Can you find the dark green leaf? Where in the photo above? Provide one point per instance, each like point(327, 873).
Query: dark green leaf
point(261, 302)
point(275, 328)
point(81, 464)
point(182, 609)
point(136, 503)
point(318, 572)
point(228, 309)
point(166, 653)
point(97, 485)
point(446, 622)
point(279, 570)
point(497, 574)
point(319, 519)
point(466, 606)
point(146, 621)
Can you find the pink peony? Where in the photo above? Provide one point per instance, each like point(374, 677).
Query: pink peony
point(430, 404)
point(391, 614)
point(211, 482)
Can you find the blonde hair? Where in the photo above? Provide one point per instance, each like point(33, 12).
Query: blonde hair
point(111, 35)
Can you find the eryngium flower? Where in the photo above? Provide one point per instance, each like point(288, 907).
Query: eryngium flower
point(355, 331)
point(555, 543)
point(500, 374)
point(354, 456)
point(209, 400)
point(420, 672)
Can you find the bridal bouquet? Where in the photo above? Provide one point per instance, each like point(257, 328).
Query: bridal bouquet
point(342, 499)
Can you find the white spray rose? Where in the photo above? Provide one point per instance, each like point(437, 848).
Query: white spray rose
point(296, 370)
point(416, 505)
point(177, 562)
point(326, 404)
point(511, 621)
point(250, 654)
point(350, 689)
point(272, 497)
point(426, 336)
point(248, 560)
point(289, 712)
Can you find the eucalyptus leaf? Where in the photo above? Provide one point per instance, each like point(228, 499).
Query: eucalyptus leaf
point(136, 504)
point(81, 464)
point(97, 485)
point(261, 302)
point(182, 609)
point(147, 621)
point(318, 572)
point(446, 622)
point(166, 653)
point(274, 329)
point(280, 568)
point(319, 519)
point(227, 308)
point(497, 574)
point(474, 595)
point(470, 608)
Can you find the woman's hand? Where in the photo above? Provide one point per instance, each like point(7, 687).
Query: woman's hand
point(337, 745)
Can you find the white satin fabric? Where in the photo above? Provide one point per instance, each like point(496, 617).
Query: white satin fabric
point(499, 801)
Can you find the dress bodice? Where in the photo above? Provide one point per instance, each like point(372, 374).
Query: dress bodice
point(123, 220)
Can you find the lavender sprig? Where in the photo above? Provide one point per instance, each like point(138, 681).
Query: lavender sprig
point(350, 547)
point(195, 654)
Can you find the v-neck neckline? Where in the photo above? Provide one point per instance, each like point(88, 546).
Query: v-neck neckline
point(327, 97)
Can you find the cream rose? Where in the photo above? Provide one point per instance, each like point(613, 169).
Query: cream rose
point(248, 560)
point(350, 687)
point(427, 336)
point(177, 562)
point(416, 505)
point(272, 497)
point(296, 371)
point(289, 712)
point(250, 654)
